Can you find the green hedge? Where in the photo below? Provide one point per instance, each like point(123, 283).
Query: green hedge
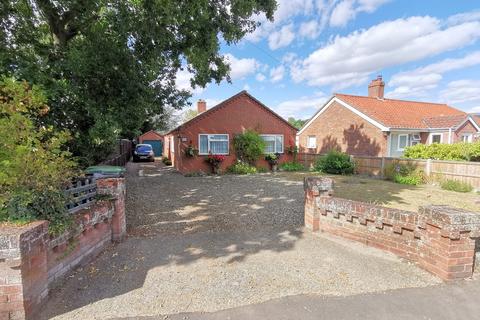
point(461, 151)
point(335, 162)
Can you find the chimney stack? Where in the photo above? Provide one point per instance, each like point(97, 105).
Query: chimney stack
point(376, 88)
point(201, 106)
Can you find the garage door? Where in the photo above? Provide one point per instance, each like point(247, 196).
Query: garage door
point(157, 146)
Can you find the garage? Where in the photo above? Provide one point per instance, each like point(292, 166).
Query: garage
point(154, 139)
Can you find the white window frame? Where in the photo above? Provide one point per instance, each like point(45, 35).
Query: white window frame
point(468, 136)
point(275, 140)
point(314, 144)
point(209, 140)
point(436, 134)
point(398, 141)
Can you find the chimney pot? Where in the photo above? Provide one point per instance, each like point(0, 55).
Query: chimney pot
point(376, 88)
point(201, 106)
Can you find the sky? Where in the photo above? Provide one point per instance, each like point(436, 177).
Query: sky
point(426, 50)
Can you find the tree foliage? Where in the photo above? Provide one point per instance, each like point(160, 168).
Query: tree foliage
point(297, 123)
point(109, 67)
point(34, 166)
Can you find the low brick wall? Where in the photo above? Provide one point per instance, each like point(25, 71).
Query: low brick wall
point(439, 239)
point(31, 259)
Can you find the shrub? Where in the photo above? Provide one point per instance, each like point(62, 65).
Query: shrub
point(249, 147)
point(404, 174)
point(461, 151)
point(412, 179)
point(34, 163)
point(458, 186)
point(241, 168)
point(272, 158)
point(292, 166)
point(335, 162)
point(166, 161)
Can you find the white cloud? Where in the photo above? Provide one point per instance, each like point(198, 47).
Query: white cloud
point(182, 82)
point(342, 13)
point(260, 77)
point(348, 9)
point(303, 107)
point(310, 29)
point(276, 74)
point(462, 92)
point(418, 81)
point(349, 60)
point(464, 17)
point(246, 87)
point(240, 68)
point(282, 37)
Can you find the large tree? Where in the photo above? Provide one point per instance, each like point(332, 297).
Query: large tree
point(109, 67)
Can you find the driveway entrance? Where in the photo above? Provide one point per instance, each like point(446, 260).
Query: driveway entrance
point(199, 244)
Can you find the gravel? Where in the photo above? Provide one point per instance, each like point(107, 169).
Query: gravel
point(211, 243)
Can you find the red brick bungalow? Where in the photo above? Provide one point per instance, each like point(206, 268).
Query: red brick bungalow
point(213, 131)
point(376, 126)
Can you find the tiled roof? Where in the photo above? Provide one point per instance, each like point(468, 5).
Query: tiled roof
point(223, 104)
point(404, 114)
point(445, 121)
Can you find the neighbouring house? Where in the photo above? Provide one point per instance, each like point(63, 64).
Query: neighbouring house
point(154, 139)
point(377, 126)
point(213, 130)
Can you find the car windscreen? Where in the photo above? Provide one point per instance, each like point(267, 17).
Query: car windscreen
point(144, 149)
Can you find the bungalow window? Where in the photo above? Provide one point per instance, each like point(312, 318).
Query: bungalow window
point(273, 143)
point(402, 142)
point(213, 143)
point(436, 138)
point(311, 142)
point(467, 137)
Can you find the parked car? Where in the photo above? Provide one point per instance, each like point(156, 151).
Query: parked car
point(143, 152)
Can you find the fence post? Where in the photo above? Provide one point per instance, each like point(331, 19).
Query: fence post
point(382, 172)
point(428, 168)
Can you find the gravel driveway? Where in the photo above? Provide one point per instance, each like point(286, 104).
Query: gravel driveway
point(211, 243)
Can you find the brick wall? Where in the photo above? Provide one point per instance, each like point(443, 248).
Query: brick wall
point(439, 239)
point(31, 259)
point(340, 129)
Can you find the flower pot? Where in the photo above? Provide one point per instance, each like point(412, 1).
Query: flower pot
point(274, 167)
point(215, 170)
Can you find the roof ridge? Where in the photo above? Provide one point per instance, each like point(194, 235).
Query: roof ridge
point(412, 101)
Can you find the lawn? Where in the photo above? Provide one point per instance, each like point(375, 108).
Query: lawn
point(391, 194)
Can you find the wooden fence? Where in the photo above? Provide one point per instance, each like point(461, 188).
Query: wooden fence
point(121, 155)
point(81, 194)
point(468, 172)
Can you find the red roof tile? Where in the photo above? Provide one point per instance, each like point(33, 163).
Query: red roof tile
point(403, 114)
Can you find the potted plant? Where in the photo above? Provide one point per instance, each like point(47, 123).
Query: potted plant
point(190, 151)
point(215, 160)
point(272, 159)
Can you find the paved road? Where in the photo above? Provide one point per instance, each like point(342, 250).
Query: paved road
point(203, 244)
point(444, 302)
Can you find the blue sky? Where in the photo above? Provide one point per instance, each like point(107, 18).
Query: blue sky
point(425, 50)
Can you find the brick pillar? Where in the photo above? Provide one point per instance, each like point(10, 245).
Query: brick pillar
point(116, 188)
point(315, 188)
point(23, 270)
point(449, 241)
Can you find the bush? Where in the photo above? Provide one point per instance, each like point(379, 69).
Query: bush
point(292, 166)
point(241, 168)
point(458, 186)
point(461, 151)
point(404, 174)
point(34, 163)
point(413, 179)
point(249, 147)
point(335, 162)
point(166, 161)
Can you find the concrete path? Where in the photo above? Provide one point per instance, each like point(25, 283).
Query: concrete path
point(456, 301)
